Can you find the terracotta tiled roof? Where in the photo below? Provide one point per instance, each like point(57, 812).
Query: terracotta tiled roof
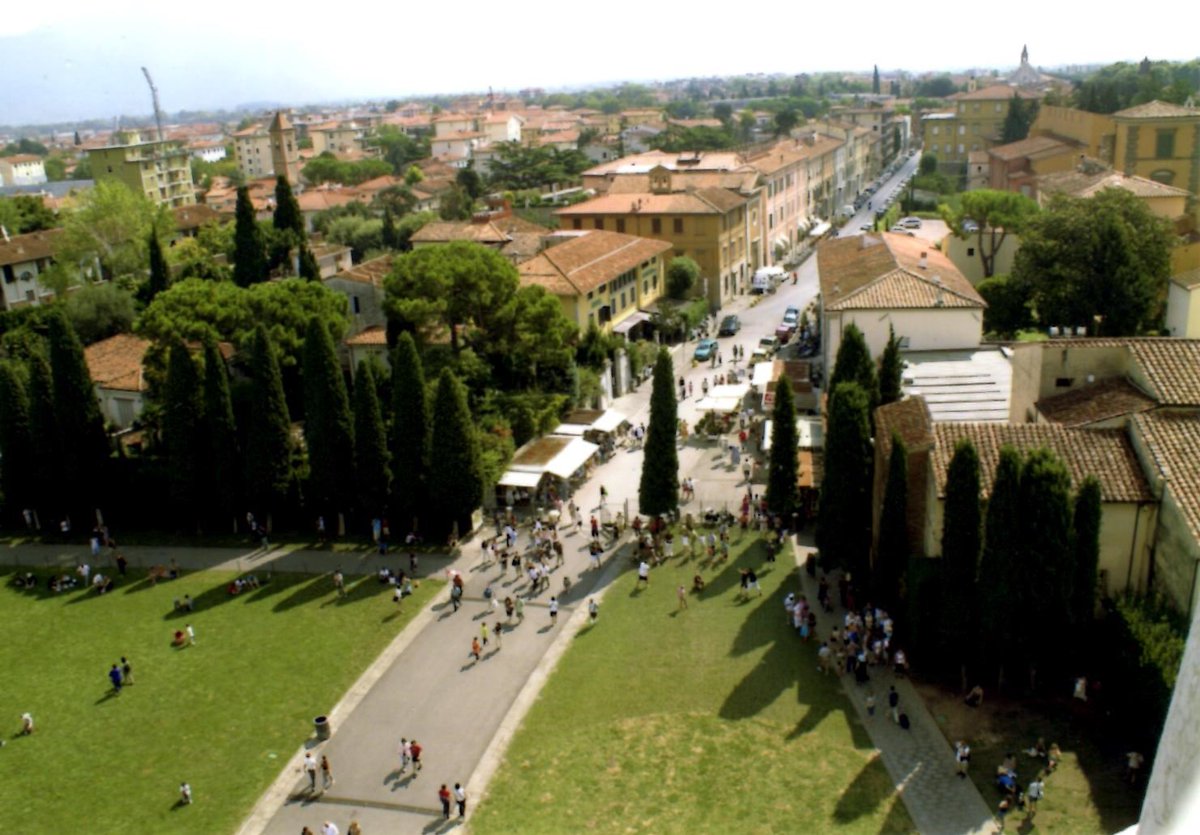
point(1188, 280)
point(1096, 402)
point(1104, 453)
point(1157, 110)
point(368, 272)
point(910, 419)
point(116, 362)
point(993, 93)
point(31, 246)
point(1173, 441)
point(319, 199)
point(444, 231)
point(1172, 367)
point(193, 217)
point(17, 159)
point(585, 262)
point(883, 271)
point(702, 201)
point(740, 181)
point(374, 335)
point(1079, 183)
point(1034, 146)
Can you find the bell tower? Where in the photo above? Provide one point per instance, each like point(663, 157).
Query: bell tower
point(285, 156)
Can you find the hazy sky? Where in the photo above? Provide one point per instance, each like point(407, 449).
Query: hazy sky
point(71, 59)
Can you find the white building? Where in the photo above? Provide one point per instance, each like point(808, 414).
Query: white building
point(22, 170)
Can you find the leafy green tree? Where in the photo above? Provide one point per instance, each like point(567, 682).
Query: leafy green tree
point(409, 437)
point(268, 453)
point(844, 508)
point(328, 426)
point(389, 236)
point(891, 370)
point(456, 204)
point(18, 461)
point(677, 139)
point(98, 311)
point(996, 214)
point(47, 455)
point(1085, 544)
point(785, 121)
point(23, 213)
point(723, 111)
point(309, 270)
point(529, 342)
point(1001, 584)
point(249, 254)
point(181, 419)
point(962, 541)
point(1019, 118)
point(1008, 306)
point(220, 479)
point(470, 181)
point(111, 226)
point(855, 365)
point(374, 475)
point(783, 466)
point(658, 489)
point(1102, 261)
point(682, 275)
point(327, 168)
point(413, 175)
point(160, 275)
point(928, 164)
point(399, 149)
point(936, 88)
point(287, 210)
point(891, 553)
point(82, 442)
point(456, 483)
point(517, 166)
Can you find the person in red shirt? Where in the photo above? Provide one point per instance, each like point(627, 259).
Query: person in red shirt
point(444, 796)
point(415, 752)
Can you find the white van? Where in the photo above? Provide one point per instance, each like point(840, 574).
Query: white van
point(766, 279)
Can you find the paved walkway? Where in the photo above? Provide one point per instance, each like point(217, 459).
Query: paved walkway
point(919, 760)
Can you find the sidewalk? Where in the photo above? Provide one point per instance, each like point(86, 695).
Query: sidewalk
point(919, 760)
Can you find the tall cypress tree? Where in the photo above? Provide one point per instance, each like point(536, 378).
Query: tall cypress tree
point(1046, 577)
point(268, 437)
point(409, 439)
point(328, 426)
point(891, 370)
point(844, 511)
point(82, 441)
point(783, 467)
point(160, 275)
point(46, 499)
point(222, 482)
point(891, 554)
point(875, 81)
point(962, 540)
point(389, 236)
point(370, 445)
point(17, 462)
point(308, 267)
point(1085, 542)
point(249, 248)
point(1000, 582)
point(456, 483)
point(180, 422)
point(287, 215)
point(854, 365)
point(658, 490)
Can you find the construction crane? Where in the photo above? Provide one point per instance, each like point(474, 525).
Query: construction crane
point(154, 96)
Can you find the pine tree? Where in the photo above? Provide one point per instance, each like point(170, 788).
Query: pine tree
point(160, 275)
point(180, 423)
point(854, 365)
point(46, 499)
point(658, 489)
point(891, 553)
point(456, 483)
point(370, 445)
point(18, 472)
point(249, 248)
point(962, 540)
point(1044, 531)
point(1085, 542)
point(268, 451)
point(287, 215)
point(844, 511)
point(409, 438)
point(783, 466)
point(891, 371)
point(308, 267)
point(222, 482)
point(82, 442)
point(999, 578)
point(328, 426)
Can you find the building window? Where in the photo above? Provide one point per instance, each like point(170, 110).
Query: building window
point(935, 130)
point(970, 252)
point(1164, 144)
point(354, 301)
point(1163, 175)
point(677, 224)
point(599, 223)
point(962, 129)
point(576, 223)
point(1064, 382)
point(656, 225)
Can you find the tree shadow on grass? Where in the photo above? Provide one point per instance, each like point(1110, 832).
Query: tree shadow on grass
point(367, 588)
point(870, 788)
point(306, 592)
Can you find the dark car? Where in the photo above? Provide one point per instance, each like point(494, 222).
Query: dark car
point(730, 325)
point(705, 350)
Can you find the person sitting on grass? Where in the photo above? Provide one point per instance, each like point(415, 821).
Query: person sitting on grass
point(179, 638)
point(1038, 749)
point(697, 584)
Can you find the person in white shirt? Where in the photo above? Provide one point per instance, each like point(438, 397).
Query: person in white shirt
point(460, 797)
point(643, 573)
point(330, 828)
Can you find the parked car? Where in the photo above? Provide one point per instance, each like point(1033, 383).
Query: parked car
point(784, 333)
point(791, 316)
point(769, 344)
point(910, 222)
point(730, 325)
point(705, 350)
point(902, 231)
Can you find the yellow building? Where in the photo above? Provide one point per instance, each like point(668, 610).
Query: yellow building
point(1093, 132)
point(709, 225)
point(1160, 141)
point(605, 279)
point(160, 170)
point(975, 124)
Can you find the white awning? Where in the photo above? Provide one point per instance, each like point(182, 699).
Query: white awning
point(820, 229)
point(809, 434)
point(610, 421)
point(574, 429)
point(631, 321)
point(738, 390)
point(519, 478)
point(719, 404)
point(573, 456)
point(764, 372)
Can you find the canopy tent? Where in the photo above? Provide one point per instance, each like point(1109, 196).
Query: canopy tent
point(520, 478)
point(820, 229)
point(577, 453)
point(810, 434)
point(764, 372)
point(727, 398)
point(575, 429)
point(610, 421)
point(582, 421)
point(631, 321)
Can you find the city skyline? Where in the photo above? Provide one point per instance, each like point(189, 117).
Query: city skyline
point(74, 61)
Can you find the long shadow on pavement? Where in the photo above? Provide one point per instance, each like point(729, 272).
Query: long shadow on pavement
point(867, 791)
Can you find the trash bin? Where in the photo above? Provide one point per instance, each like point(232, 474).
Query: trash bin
point(321, 723)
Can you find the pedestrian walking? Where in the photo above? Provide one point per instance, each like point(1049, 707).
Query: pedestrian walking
point(1033, 794)
point(326, 772)
point(114, 675)
point(681, 593)
point(310, 769)
point(962, 756)
point(593, 610)
point(870, 701)
point(498, 629)
point(354, 829)
point(460, 797)
point(483, 633)
point(414, 751)
point(553, 611)
point(126, 671)
point(339, 583)
point(191, 635)
point(330, 828)
point(595, 524)
point(405, 754)
point(643, 574)
point(475, 648)
point(603, 495)
point(894, 703)
point(520, 605)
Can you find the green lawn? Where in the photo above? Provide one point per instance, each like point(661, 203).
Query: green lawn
point(223, 715)
point(712, 719)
